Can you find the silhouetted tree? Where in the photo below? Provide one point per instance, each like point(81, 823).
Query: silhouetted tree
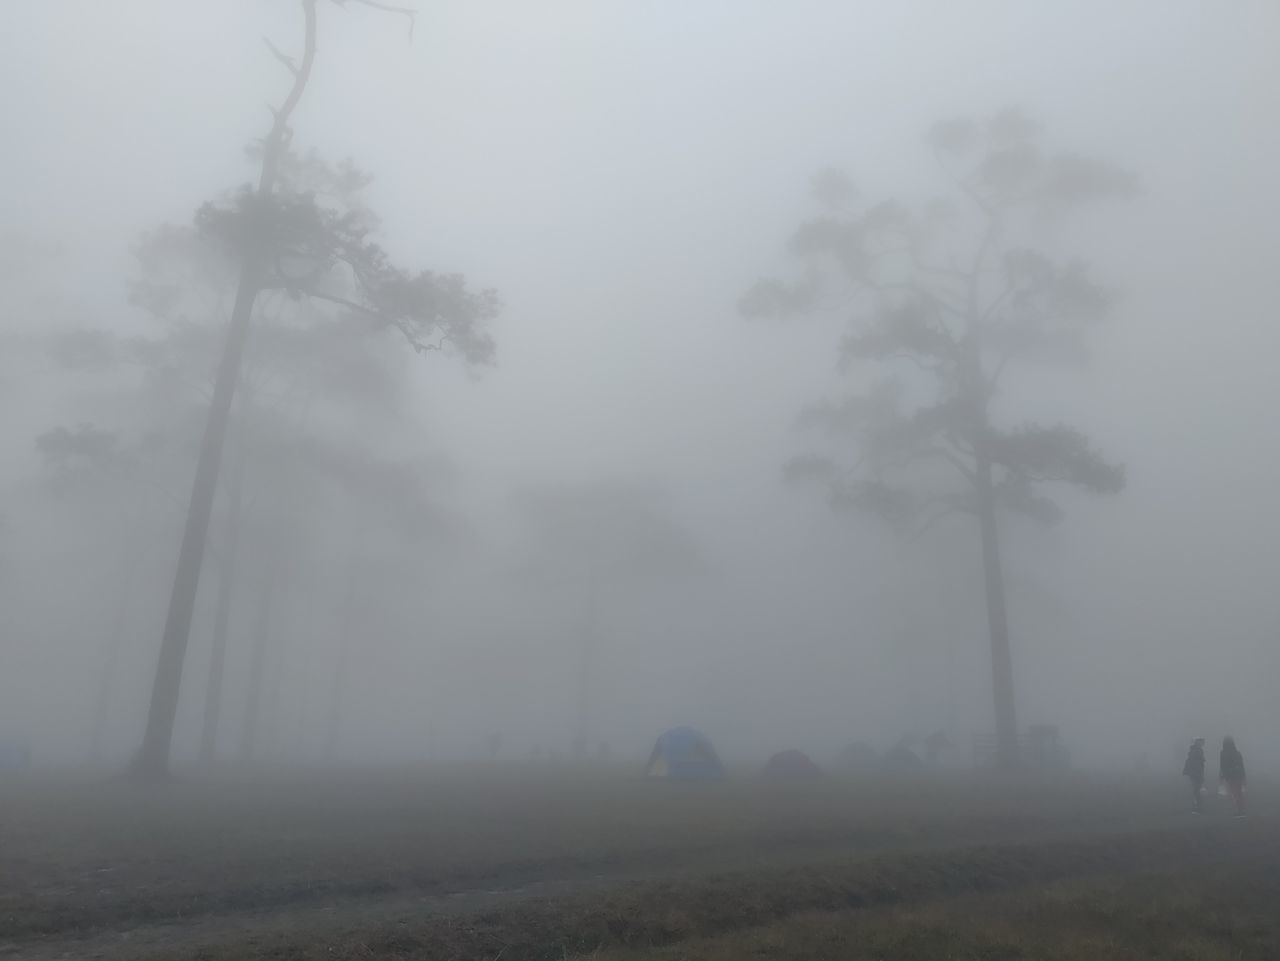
point(306, 241)
point(944, 298)
point(297, 352)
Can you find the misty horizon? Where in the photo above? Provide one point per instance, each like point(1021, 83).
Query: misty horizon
point(621, 175)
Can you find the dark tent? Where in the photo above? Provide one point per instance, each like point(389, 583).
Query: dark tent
point(684, 754)
point(791, 765)
point(935, 744)
point(860, 758)
point(902, 759)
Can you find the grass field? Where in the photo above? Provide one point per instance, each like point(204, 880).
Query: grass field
point(1220, 913)
point(523, 864)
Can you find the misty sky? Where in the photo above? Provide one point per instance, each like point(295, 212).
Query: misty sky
point(621, 173)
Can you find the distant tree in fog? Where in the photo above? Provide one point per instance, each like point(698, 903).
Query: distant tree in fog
point(943, 298)
point(593, 536)
point(116, 478)
point(299, 358)
point(391, 502)
point(306, 240)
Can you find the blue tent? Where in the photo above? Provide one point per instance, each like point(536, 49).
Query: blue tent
point(684, 754)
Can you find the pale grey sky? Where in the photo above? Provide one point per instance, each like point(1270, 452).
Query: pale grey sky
point(621, 172)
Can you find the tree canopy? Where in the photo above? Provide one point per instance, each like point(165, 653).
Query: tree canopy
point(941, 299)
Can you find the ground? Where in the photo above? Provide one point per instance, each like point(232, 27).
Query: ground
point(521, 863)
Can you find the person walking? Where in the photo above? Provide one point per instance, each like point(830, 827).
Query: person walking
point(1231, 772)
point(1193, 770)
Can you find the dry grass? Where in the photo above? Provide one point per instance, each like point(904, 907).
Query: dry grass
point(1001, 902)
point(1227, 914)
point(294, 866)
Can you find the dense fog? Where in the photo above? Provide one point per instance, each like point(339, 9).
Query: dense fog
point(568, 543)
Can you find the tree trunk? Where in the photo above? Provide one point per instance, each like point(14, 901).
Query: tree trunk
point(153, 757)
point(261, 635)
point(976, 392)
point(270, 736)
point(106, 683)
point(585, 671)
point(333, 720)
point(346, 623)
point(221, 624)
point(997, 617)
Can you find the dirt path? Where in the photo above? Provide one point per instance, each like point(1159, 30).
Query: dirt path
point(336, 917)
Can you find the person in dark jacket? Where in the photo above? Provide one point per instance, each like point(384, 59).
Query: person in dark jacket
point(1193, 769)
point(1231, 772)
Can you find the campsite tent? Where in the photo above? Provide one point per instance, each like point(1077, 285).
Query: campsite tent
point(859, 757)
point(936, 744)
point(901, 760)
point(792, 765)
point(684, 754)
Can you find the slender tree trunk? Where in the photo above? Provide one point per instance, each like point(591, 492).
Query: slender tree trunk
point(333, 720)
point(153, 757)
point(997, 617)
point(261, 636)
point(346, 623)
point(585, 670)
point(269, 739)
point(106, 684)
point(115, 641)
point(977, 392)
point(221, 623)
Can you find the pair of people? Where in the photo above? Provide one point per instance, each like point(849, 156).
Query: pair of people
point(1230, 771)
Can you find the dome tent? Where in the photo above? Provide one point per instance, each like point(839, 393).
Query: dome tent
point(791, 765)
point(901, 760)
point(684, 754)
point(859, 757)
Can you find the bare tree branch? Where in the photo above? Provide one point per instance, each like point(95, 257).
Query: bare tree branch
point(994, 380)
point(950, 457)
point(948, 510)
point(345, 302)
point(918, 262)
point(280, 55)
point(409, 12)
point(415, 341)
point(998, 302)
point(959, 181)
point(917, 360)
point(923, 292)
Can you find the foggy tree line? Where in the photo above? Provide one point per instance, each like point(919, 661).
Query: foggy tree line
point(281, 284)
point(943, 299)
point(275, 314)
